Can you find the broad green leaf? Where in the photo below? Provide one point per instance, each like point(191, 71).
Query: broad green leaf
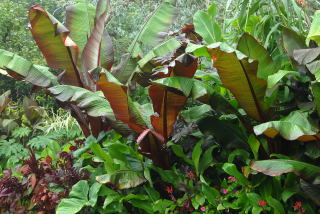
point(275, 78)
point(160, 50)
point(198, 50)
point(292, 41)
point(254, 145)
point(93, 194)
point(314, 68)
point(183, 84)
point(80, 22)
point(210, 193)
point(159, 21)
point(206, 159)
point(93, 103)
point(239, 75)
point(206, 27)
point(196, 113)
point(80, 190)
point(105, 156)
point(278, 167)
point(296, 126)
point(232, 170)
point(70, 206)
point(4, 100)
point(196, 154)
point(55, 44)
point(314, 32)
point(19, 68)
point(251, 47)
point(123, 179)
point(178, 150)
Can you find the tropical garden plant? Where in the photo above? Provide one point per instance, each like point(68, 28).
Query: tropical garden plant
point(220, 116)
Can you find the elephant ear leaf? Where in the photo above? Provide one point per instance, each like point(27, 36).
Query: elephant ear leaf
point(296, 126)
point(4, 100)
point(239, 75)
point(55, 44)
point(251, 48)
point(20, 68)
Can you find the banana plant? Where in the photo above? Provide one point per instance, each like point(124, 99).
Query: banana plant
point(79, 49)
point(154, 130)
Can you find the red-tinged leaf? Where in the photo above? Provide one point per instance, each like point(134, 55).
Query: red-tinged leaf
point(121, 104)
point(151, 145)
point(52, 39)
point(107, 51)
point(185, 66)
point(167, 105)
point(239, 75)
point(21, 69)
point(91, 53)
point(4, 100)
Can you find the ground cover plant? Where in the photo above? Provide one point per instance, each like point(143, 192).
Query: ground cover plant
point(218, 116)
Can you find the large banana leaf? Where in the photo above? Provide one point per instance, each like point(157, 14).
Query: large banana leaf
point(251, 48)
point(280, 166)
point(207, 27)
point(20, 68)
point(160, 50)
point(160, 21)
point(122, 179)
point(91, 53)
point(293, 41)
point(120, 102)
point(55, 44)
point(239, 75)
point(296, 126)
point(4, 100)
point(93, 103)
point(314, 33)
point(80, 22)
point(167, 105)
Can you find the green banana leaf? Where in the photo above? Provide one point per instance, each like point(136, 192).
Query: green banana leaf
point(239, 75)
point(4, 100)
point(80, 22)
point(159, 21)
point(251, 48)
point(278, 167)
point(296, 126)
point(55, 44)
point(20, 68)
